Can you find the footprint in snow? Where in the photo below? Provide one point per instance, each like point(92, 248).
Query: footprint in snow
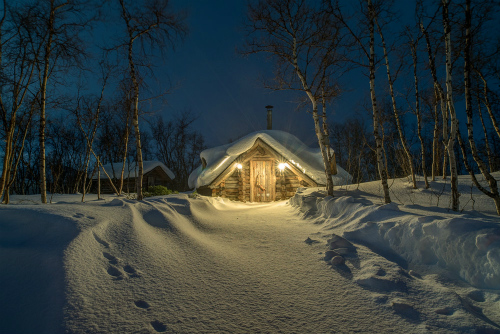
point(101, 241)
point(113, 271)
point(405, 309)
point(81, 215)
point(130, 271)
point(310, 241)
point(142, 304)
point(158, 326)
point(110, 258)
point(476, 295)
point(445, 311)
point(381, 272)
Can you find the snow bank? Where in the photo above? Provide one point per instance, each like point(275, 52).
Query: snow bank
point(466, 245)
point(132, 169)
point(307, 159)
point(32, 245)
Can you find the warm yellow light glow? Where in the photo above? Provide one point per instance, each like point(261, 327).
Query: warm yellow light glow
point(222, 162)
point(281, 166)
point(298, 166)
point(239, 166)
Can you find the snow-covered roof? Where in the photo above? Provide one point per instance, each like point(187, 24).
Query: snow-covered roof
point(133, 168)
point(308, 160)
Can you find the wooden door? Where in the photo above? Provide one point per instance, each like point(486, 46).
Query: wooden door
point(262, 181)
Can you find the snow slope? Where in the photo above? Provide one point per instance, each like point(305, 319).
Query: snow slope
point(176, 264)
point(467, 246)
point(290, 147)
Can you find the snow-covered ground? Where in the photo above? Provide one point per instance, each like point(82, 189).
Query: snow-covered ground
point(176, 264)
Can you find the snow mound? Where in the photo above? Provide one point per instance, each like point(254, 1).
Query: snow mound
point(466, 245)
point(307, 159)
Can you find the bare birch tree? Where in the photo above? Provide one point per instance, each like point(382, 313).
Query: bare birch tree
point(486, 101)
point(88, 112)
point(493, 192)
point(152, 24)
point(413, 46)
point(56, 29)
point(17, 64)
point(365, 41)
point(439, 97)
point(305, 42)
point(390, 80)
point(450, 144)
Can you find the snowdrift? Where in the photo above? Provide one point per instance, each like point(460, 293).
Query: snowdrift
point(187, 264)
point(465, 244)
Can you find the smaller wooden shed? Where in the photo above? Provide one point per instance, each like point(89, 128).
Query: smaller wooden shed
point(263, 166)
point(155, 173)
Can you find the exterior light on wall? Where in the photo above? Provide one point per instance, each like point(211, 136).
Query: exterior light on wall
point(239, 166)
point(281, 166)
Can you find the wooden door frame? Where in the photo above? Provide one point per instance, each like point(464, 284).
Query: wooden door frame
point(272, 176)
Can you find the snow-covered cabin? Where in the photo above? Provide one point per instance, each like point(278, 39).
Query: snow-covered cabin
point(154, 173)
point(263, 166)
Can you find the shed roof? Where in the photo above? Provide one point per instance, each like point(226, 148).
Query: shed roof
point(308, 160)
point(133, 168)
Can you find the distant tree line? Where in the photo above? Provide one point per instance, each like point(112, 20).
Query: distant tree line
point(68, 105)
point(433, 77)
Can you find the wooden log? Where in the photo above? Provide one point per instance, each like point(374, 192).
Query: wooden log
point(223, 189)
point(292, 182)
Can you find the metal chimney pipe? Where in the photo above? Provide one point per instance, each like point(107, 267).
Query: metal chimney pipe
point(269, 117)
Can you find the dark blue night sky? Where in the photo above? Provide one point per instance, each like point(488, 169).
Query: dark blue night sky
point(222, 86)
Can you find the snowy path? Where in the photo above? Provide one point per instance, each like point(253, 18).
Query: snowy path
point(234, 269)
point(179, 265)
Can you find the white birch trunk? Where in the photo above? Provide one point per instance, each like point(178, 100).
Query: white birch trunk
point(125, 151)
point(394, 107)
point(488, 105)
point(317, 127)
point(419, 115)
point(98, 179)
point(376, 125)
point(439, 96)
point(43, 89)
point(455, 202)
point(135, 109)
point(493, 193)
point(135, 124)
point(486, 140)
point(435, 139)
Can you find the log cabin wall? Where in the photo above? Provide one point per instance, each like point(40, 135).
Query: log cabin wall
point(287, 183)
point(240, 184)
point(236, 186)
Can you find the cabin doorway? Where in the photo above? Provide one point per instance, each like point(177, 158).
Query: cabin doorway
point(262, 181)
